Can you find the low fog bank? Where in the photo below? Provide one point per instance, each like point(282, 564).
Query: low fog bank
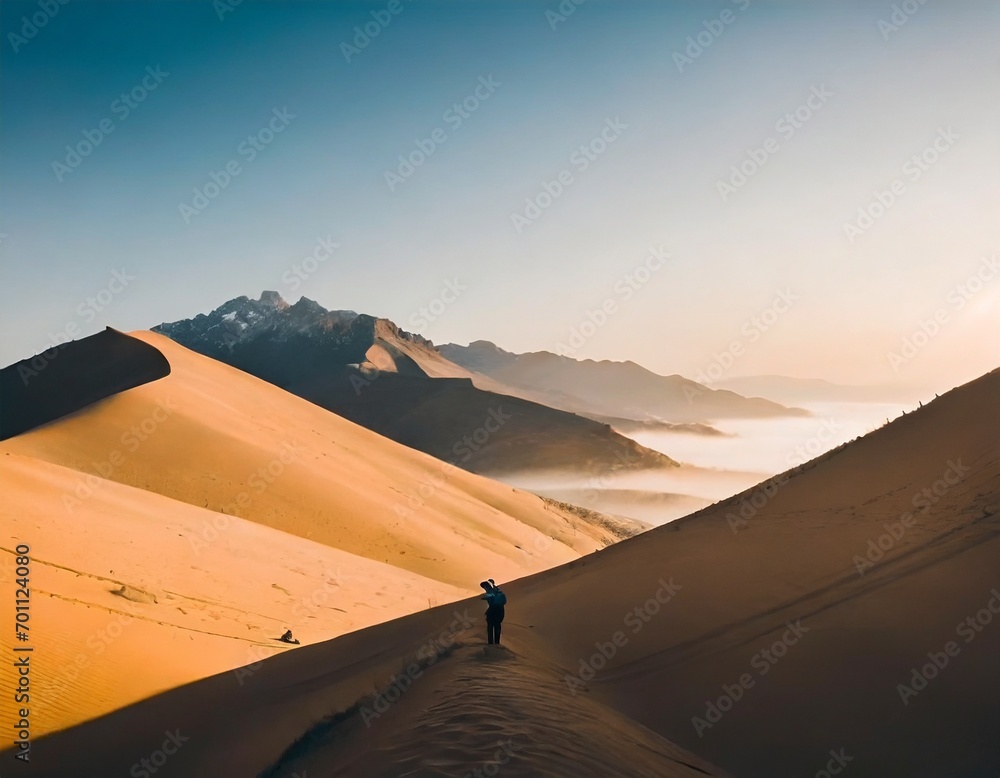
point(715, 467)
point(771, 446)
point(656, 497)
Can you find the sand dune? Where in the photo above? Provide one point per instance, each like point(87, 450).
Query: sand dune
point(52, 384)
point(746, 572)
point(136, 593)
point(230, 510)
point(215, 437)
point(753, 640)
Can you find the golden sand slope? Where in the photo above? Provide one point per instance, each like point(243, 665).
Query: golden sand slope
point(135, 594)
point(649, 637)
point(340, 529)
point(215, 437)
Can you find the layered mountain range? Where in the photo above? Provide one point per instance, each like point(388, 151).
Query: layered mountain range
point(611, 389)
point(478, 407)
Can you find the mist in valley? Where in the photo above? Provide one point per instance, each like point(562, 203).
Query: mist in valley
point(714, 467)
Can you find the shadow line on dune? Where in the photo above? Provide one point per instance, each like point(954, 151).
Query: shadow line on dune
point(71, 376)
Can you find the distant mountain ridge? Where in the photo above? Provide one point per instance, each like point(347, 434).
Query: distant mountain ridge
point(398, 384)
point(612, 389)
point(786, 389)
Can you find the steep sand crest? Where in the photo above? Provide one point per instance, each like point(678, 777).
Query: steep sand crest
point(724, 598)
point(419, 696)
point(218, 438)
point(489, 709)
point(72, 375)
point(134, 593)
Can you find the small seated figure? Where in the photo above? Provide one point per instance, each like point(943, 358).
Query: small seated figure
point(287, 638)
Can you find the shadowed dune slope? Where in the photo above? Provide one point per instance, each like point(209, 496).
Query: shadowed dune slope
point(772, 613)
point(73, 375)
point(879, 551)
point(419, 696)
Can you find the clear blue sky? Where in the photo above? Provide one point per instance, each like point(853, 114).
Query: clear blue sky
point(672, 131)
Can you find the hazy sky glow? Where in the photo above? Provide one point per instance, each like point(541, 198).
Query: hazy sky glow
point(659, 134)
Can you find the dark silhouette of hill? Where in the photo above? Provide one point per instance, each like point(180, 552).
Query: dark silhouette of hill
point(480, 431)
point(72, 376)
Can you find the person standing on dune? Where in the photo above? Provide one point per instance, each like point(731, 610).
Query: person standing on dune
point(495, 602)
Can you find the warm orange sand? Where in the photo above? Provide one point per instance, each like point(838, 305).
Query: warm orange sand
point(835, 687)
point(340, 529)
